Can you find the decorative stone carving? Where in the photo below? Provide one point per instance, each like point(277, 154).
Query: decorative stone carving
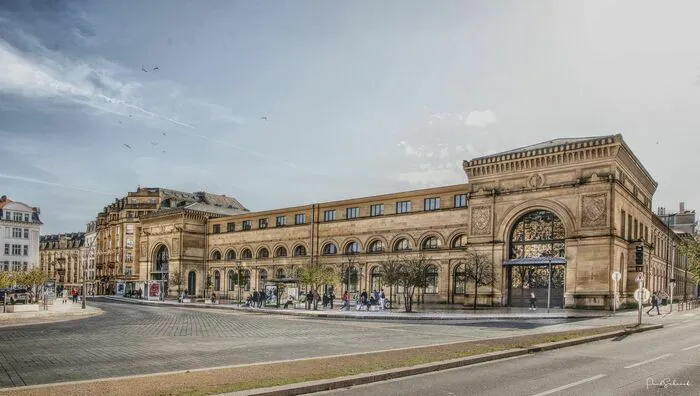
point(481, 220)
point(594, 210)
point(536, 181)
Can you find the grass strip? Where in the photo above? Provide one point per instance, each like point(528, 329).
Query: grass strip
point(262, 376)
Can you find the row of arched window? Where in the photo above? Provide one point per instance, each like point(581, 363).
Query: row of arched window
point(352, 247)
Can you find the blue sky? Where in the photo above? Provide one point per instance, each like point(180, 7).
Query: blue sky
point(361, 97)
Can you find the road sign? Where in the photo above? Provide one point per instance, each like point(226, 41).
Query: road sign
point(642, 295)
point(616, 276)
point(640, 277)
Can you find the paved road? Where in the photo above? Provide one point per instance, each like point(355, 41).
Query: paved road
point(134, 339)
point(621, 366)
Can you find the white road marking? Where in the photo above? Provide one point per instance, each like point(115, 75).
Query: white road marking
point(650, 360)
point(571, 385)
point(691, 347)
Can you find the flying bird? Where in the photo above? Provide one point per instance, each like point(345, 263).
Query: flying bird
point(156, 68)
point(143, 68)
point(120, 121)
point(163, 151)
point(127, 146)
point(130, 116)
point(154, 143)
point(164, 134)
point(263, 118)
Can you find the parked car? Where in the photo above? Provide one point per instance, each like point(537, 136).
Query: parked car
point(17, 295)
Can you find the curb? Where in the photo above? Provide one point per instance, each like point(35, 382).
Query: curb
point(353, 317)
point(368, 378)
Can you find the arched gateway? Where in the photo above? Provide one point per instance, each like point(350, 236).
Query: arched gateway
point(161, 268)
point(536, 244)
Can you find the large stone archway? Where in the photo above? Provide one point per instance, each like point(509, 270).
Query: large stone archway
point(536, 246)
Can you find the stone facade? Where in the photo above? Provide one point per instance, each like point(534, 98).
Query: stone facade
point(570, 210)
point(62, 259)
point(20, 230)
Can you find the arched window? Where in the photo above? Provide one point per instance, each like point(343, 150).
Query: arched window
point(376, 247)
point(459, 241)
point(352, 248)
point(401, 245)
point(300, 250)
point(537, 234)
point(246, 254)
point(431, 277)
point(460, 279)
point(232, 279)
point(162, 264)
point(230, 255)
point(216, 255)
point(217, 281)
point(192, 283)
point(281, 252)
point(329, 249)
point(431, 243)
point(263, 279)
point(352, 279)
point(377, 274)
point(263, 253)
point(279, 273)
point(245, 280)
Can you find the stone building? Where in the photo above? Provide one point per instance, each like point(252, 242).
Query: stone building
point(62, 259)
point(20, 229)
point(117, 269)
point(570, 210)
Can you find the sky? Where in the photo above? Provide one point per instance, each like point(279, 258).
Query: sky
point(284, 103)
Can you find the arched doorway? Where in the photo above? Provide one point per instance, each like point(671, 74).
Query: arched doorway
point(192, 283)
point(161, 268)
point(537, 243)
point(217, 281)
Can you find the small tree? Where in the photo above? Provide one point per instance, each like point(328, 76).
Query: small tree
point(344, 272)
point(315, 275)
point(177, 279)
point(412, 275)
point(33, 279)
point(478, 269)
point(391, 273)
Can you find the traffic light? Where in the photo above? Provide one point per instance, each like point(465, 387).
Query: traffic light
point(639, 255)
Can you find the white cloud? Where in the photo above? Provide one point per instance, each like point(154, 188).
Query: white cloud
point(48, 183)
point(444, 152)
point(480, 119)
point(409, 150)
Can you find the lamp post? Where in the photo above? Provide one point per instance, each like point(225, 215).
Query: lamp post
point(672, 284)
point(238, 269)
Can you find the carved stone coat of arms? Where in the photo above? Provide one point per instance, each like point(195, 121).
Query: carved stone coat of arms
point(481, 220)
point(594, 210)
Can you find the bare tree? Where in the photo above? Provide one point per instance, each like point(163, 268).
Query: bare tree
point(412, 274)
point(478, 269)
point(391, 273)
point(178, 279)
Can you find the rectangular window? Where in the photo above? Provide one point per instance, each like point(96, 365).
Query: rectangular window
point(26, 217)
point(17, 233)
point(352, 213)
point(629, 227)
point(300, 219)
point(461, 201)
point(129, 229)
point(431, 204)
point(230, 227)
point(646, 233)
point(16, 265)
point(16, 250)
point(8, 215)
point(403, 207)
point(281, 221)
point(26, 233)
point(17, 216)
point(129, 258)
point(25, 266)
point(262, 223)
point(247, 225)
point(26, 250)
point(7, 249)
point(636, 230)
point(376, 210)
point(623, 221)
point(153, 200)
point(217, 228)
point(329, 215)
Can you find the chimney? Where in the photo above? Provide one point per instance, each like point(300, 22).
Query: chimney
point(660, 211)
point(682, 207)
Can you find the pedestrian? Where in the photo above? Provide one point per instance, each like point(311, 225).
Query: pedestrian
point(382, 299)
point(655, 299)
point(331, 297)
point(74, 294)
point(255, 298)
point(64, 294)
point(346, 302)
point(533, 302)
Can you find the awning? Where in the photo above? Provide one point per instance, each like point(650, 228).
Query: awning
point(535, 261)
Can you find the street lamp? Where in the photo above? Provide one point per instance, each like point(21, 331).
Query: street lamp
point(238, 269)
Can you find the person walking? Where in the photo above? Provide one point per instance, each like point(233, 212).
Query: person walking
point(654, 303)
point(382, 299)
point(533, 302)
point(64, 295)
point(346, 302)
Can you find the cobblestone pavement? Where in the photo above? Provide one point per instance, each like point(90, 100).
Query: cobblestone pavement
point(133, 339)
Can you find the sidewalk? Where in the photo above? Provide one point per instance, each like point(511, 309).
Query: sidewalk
point(497, 313)
point(55, 312)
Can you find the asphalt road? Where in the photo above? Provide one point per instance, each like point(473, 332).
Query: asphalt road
point(134, 339)
point(639, 364)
